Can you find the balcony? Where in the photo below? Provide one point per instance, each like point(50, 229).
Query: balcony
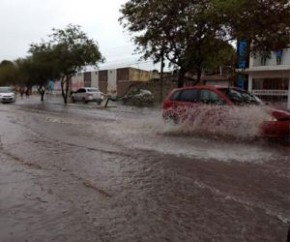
point(271, 63)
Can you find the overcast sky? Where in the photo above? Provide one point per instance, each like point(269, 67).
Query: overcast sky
point(29, 21)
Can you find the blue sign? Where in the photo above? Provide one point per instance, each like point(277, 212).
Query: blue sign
point(242, 54)
point(242, 80)
point(243, 62)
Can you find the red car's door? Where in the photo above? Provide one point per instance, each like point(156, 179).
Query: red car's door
point(184, 104)
point(213, 108)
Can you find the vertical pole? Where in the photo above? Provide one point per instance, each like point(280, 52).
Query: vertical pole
point(288, 104)
point(161, 79)
point(250, 85)
point(161, 72)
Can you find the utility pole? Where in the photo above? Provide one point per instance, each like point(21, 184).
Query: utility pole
point(161, 72)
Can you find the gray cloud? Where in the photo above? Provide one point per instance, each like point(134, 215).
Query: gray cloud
point(29, 21)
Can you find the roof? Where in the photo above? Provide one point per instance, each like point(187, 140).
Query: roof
point(267, 68)
point(213, 87)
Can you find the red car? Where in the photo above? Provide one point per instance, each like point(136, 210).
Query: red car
point(197, 98)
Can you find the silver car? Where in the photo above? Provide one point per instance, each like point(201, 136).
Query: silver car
point(7, 95)
point(88, 94)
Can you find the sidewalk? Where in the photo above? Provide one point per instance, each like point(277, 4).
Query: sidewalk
point(58, 100)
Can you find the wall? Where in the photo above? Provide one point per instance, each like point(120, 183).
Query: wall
point(95, 79)
point(87, 79)
point(123, 74)
point(103, 81)
point(112, 81)
point(154, 86)
point(139, 75)
point(77, 81)
point(108, 80)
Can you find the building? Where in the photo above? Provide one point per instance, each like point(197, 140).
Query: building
point(269, 78)
point(114, 81)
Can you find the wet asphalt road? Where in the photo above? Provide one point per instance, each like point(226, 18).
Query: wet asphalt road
point(84, 173)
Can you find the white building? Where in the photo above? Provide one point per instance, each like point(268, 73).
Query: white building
point(270, 79)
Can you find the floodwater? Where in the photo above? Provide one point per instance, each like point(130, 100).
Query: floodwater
point(85, 173)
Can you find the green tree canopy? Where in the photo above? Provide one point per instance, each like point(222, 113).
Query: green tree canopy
point(193, 34)
point(35, 70)
point(8, 73)
point(263, 23)
point(68, 51)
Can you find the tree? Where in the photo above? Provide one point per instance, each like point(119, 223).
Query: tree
point(34, 70)
point(265, 24)
point(180, 30)
point(27, 72)
point(8, 73)
point(6, 63)
point(71, 50)
point(67, 52)
point(192, 33)
point(41, 66)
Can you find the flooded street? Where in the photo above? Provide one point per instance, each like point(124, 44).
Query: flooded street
point(85, 173)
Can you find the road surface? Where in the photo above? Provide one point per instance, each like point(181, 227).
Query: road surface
point(85, 173)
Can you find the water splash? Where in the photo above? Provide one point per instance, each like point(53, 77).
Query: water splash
point(202, 138)
point(239, 123)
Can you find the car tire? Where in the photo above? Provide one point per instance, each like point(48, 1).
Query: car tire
point(73, 100)
point(85, 101)
point(99, 102)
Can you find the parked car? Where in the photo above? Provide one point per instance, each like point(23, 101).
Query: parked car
point(87, 94)
point(139, 97)
point(7, 95)
point(181, 99)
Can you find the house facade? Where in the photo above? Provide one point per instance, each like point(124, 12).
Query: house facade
point(269, 78)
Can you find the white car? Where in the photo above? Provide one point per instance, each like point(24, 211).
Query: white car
point(7, 95)
point(87, 94)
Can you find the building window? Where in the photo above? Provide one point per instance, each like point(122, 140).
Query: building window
point(271, 84)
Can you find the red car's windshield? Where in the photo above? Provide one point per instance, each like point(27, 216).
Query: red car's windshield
point(240, 97)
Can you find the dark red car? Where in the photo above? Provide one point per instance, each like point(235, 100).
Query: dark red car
point(178, 101)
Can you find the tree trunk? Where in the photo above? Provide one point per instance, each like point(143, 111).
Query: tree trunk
point(63, 93)
point(180, 82)
point(161, 78)
point(67, 88)
point(41, 91)
point(198, 75)
point(42, 96)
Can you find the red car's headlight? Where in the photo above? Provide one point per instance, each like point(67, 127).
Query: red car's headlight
point(271, 119)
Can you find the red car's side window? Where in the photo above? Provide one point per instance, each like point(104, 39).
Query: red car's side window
point(188, 95)
point(211, 97)
point(192, 95)
point(175, 95)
